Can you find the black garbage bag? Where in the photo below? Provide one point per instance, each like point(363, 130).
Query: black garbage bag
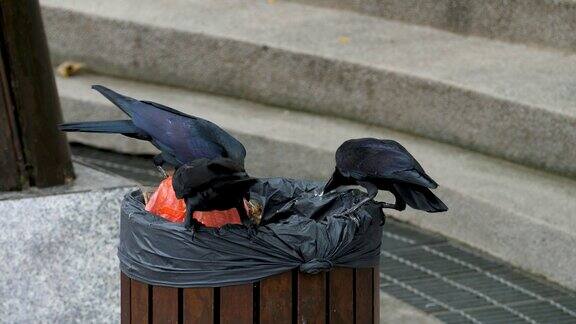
point(299, 229)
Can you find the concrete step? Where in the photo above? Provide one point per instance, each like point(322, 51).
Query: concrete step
point(549, 23)
point(505, 100)
point(515, 213)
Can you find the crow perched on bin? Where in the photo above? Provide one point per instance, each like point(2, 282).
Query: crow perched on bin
point(181, 138)
point(217, 184)
point(384, 165)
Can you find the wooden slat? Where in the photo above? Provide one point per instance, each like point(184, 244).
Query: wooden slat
point(276, 299)
point(124, 299)
point(364, 296)
point(138, 302)
point(376, 294)
point(164, 305)
point(311, 298)
point(341, 282)
point(236, 304)
point(198, 305)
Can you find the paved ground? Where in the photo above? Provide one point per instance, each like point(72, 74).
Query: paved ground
point(58, 260)
point(439, 277)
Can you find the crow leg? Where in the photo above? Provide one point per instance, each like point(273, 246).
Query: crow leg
point(387, 205)
point(358, 205)
point(158, 162)
point(162, 171)
point(400, 203)
point(372, 192)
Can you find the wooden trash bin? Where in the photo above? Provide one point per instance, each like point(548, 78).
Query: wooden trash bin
point(343, 295)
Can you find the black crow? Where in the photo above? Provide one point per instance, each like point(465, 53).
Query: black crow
point(384, 165)
point(181, 138)
point(217, 184)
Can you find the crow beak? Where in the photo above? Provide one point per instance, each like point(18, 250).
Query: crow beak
point(330, 185)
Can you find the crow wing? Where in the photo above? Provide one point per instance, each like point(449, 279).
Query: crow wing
point(177, 134)
point(167, 109)
point(188, 137)
point(372, 159)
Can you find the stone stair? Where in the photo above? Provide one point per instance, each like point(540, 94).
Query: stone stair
point(546, 23)
point(293, 81)
point(505, 100)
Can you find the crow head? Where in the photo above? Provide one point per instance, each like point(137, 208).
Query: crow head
point(218, 183)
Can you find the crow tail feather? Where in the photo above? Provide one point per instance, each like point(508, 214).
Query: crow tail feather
point(421, 198)
point(124, 127)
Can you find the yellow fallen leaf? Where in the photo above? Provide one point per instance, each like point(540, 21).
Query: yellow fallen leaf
point(344, 39)
point(271, 1)
point(69, 68)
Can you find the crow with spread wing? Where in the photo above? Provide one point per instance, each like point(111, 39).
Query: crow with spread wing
point(384, 165)
point(181, 138)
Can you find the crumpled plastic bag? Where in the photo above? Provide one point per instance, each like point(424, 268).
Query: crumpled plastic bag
point(164, 203)
point(300, 229)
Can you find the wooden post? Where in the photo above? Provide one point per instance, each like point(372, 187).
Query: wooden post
point(33, 152)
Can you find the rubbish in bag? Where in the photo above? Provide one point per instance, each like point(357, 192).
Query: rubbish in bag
point(217, 218)
point(165, 204)
point(299, 229)
point(254, 210)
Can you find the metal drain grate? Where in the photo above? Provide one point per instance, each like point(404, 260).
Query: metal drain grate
point(457, 285)
point(451, 282)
